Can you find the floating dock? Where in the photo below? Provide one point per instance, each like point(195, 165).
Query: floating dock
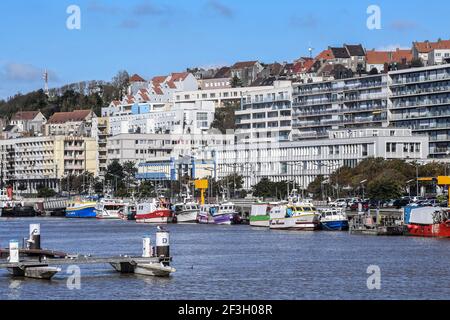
point(380, 226)
point(33, 262)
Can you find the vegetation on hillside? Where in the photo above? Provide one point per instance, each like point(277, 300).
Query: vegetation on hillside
point(83, 95)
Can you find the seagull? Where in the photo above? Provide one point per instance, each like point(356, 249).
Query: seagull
point(159, 228)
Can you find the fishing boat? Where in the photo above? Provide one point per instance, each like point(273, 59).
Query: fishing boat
point(260, 215)
point(81, 208)
point(153, 211)
point(295, 215)
point(186, 211)
point(109, 209)
point(205, 215)
point(333, 219)
point(224, 214)
point(427, 222)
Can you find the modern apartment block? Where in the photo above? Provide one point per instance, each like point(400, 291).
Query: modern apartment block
point(420, 100)
point(303, 161)
point(331, 105)
point(28, 163)
point(266, 113)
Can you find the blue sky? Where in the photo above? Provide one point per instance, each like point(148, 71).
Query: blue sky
point(153, 37)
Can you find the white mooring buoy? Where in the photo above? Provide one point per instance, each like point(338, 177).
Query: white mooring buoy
point(13, 251)
point(146, 247)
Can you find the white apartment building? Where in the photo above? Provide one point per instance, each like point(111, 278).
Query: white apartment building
point(183, 118)
point(154, 154)
point(28, 163)
point(219, 96)
point(303, 161)
point(266, 113)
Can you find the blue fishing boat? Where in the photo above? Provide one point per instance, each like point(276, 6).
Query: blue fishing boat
point(333, 219)
point(81, 208)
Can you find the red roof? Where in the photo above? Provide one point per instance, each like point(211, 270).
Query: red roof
point(63, 117)
point(325, 55)
point(426, 46)
point(179, 76)
point(25, 115)
point(382, 57)
point(158, 90)
point(301, 67)
point(137, 78)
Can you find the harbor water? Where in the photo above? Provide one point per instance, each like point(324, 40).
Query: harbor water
point(235, 263)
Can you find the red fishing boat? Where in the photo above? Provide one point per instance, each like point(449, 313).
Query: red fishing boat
point(428, 222)
point(154, 211)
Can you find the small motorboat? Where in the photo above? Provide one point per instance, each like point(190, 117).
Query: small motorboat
point(333, 219)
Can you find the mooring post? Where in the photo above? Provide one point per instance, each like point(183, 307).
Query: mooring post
point(162, 243)
point(146, 247)
point(35, 237)
point(13, 251)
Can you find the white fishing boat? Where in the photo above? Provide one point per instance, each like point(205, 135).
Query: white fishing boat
point(187, 211)
point(295, 215)
point(110, 209)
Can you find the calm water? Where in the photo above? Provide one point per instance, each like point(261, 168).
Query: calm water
point(237, 262)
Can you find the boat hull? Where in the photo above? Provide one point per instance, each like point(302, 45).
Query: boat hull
point(295, 223)
point(260, 221)
point(157, 217)
point(225, 219)
point(441, 230)
point(82, 213)
point(341, 225)
point(187, 217)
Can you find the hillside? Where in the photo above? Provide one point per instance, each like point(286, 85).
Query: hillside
point(83, 95)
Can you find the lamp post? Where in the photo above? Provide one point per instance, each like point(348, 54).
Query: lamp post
point(409, 189)
point(362, 185)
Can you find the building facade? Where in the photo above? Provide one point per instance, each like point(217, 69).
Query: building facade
point(266, 113)
point(304, 161)
point(28, 163)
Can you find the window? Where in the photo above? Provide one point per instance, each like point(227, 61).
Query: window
point(388, 147)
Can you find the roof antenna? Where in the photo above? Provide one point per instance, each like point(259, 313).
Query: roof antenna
point(45, 77)
point(310, 49)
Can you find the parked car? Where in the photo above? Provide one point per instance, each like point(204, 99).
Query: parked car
point(355, 206)
point(340, 203)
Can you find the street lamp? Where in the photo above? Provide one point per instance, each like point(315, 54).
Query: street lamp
point(362, 185)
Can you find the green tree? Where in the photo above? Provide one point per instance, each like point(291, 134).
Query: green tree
point(224, 118)
point(384, 188)
point(236, 82)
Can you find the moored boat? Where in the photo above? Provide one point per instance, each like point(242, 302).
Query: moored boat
point(260, 215)
point(81, 208)
point(295, 215)
point(333, 219)
point(427, 222)
point(205, 216)
point(186, 211)
point(224, 214)
point(109, 209)
point(153, 211)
